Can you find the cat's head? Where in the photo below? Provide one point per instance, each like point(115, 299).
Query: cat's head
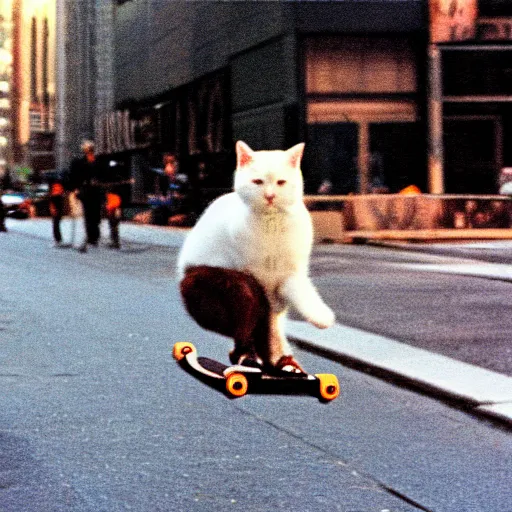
point(269, 180)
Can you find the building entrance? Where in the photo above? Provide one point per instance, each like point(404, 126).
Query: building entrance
point(472, 154)
point(365, 147)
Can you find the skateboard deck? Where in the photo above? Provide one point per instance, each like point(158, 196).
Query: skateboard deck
point(237, 380)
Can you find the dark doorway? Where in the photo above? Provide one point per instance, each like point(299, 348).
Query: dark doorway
point(471, 149)
point(331, 156)
point(397, 156)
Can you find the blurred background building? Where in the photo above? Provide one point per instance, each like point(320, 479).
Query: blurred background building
point(191, 77)
point(471, 94)
point(85, 33)
point(28, 91)
point(5, 88)
point(386, 93)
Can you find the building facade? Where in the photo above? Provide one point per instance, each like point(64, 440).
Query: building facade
point(6, 133)
point(84, 76)
point(386, 93)
point(346, 77)
point(28, 90)
point(471, 95)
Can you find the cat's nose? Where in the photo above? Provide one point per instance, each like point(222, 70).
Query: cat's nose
point(270, 196)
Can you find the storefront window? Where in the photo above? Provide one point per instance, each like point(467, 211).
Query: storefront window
point(472, 153)
point(495, 8)
point(361, 114)
point(472, 72)
point(396, 157)
point(330, 161)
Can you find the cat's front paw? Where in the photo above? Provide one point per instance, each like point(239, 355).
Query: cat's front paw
point(323, 318)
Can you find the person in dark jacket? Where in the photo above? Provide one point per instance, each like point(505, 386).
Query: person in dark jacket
point(85, 178)
point(175, 208)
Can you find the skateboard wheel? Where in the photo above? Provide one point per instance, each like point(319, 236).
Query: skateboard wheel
point(329, 386)
point(181, 349)
point(236, 384)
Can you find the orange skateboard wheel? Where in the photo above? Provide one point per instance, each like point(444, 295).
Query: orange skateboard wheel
point(329, 386)
point(237, 384)
point(181, 349)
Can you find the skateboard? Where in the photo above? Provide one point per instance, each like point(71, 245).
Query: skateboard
point(237, 380)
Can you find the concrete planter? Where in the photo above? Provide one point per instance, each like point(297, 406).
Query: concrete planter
point(421, 216)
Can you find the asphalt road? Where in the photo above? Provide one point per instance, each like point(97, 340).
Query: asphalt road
point(96, 416)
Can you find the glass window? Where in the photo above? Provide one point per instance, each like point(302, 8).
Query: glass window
point(330, 160)
point(470, 156)
point(396, 157)
point(360, 65)
point(495, 8)
point(468, 72)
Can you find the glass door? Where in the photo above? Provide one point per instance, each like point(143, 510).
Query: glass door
point(396, 157)
point(331, 158)
point(472, 154)
point(366, 146)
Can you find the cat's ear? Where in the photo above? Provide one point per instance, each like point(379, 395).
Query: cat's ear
point(295, 155)
point(244, 154)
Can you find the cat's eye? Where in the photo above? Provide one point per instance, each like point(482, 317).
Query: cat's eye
point(281, 182)
point(257, 182)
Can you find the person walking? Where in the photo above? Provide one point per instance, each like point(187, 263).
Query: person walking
point(115, 185)
point(3, 182)
point(3, 228)
point(114, 213)
point(85, 178)
point(57, 196)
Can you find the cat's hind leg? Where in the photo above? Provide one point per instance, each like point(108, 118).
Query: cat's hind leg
point(231, 303)
point(279, 351)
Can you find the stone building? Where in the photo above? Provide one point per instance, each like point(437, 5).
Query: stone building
point(382, 97)
point(84, 71)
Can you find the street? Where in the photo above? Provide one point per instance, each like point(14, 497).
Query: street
point(398, 295)
point(97, 416)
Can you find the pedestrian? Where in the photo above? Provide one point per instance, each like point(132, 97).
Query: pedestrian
point(115, 186)
point(175, 208)
point(3, 185)
point(113, 208)
point(85, 177)
point(57, 197)
point(3, 228)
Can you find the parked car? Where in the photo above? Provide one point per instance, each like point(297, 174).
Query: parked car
point(17, 204)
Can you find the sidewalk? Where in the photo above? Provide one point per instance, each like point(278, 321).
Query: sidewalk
point(73, 231)
point(491, 251)
point(482, 391)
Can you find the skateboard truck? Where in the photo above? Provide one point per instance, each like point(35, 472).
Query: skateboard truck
point(238, 380)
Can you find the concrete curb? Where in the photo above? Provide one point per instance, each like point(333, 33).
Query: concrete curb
point(482, 391)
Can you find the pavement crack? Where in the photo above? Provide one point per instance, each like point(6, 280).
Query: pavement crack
point(405, 498)
point(342, 463)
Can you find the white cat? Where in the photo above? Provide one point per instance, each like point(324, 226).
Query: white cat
point(263, 230)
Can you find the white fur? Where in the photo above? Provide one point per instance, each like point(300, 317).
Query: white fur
point(271, 240)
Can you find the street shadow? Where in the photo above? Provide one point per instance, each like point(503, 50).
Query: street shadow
point(25, 483)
